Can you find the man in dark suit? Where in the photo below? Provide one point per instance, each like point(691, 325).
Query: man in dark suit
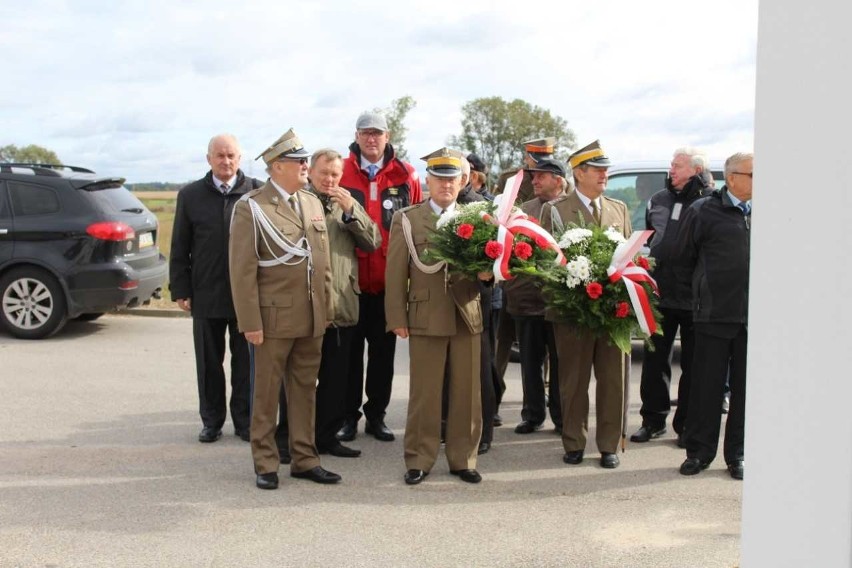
point(714, 240)
point(579, 350)
point(442, 317)
point(199, 282)
point(281, 282)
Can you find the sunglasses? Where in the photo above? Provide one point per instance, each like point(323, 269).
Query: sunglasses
point(302, 161)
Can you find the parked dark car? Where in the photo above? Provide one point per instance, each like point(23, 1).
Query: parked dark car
point(72, 245)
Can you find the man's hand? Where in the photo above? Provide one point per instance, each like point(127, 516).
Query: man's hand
point(401, 332)
point(343, 198)
point(254, 337)
point(485, 276)
point(184, 303)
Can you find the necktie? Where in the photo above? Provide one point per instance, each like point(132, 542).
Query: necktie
point(292, 201)
point(596, 213)
point(746, 207)
point(224, 188)
point(372, 169)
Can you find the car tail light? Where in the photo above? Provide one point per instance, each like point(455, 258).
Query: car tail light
point(111, 231)
point(129, 285)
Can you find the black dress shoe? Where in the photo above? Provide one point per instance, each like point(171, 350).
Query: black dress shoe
point(267, 480)
point(284, 455)
point(467, 475)
point(609, 460)
point(526, 427)
point(693, 466)
point(341, 451)
point(414, 476)
point(483, 448)
point(646, 433)
point(208, 435)
point(317, 474)
point(243, 435)
point(347, 432)
point(557, 429)
point(574, 457)
point(736, 469)
point(497, 421)
point(380, 431)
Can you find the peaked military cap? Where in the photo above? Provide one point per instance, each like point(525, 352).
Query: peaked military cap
point(592, 155)
point(540, 147)
point(288, 146)
point(551, 165)
point(444, 162)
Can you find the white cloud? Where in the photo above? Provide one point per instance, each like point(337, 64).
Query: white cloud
point(137, 88)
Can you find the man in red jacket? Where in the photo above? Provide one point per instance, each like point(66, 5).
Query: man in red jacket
point(382, 184)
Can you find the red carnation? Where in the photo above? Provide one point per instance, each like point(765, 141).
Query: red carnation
point(622, 309)
point(642, 261)
point(594, 290)
point(541, 242)
point(533, 219)
point(493, 249)
point(523, 250)
point(465, 230)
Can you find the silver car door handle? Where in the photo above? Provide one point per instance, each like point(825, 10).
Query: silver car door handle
point(4, 231)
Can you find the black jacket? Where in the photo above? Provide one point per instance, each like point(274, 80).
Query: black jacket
point(198, 263)
point(663, 215)
point(714, 242)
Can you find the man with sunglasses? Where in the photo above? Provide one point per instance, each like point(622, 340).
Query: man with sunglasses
point(382, 184)
point(281, 284)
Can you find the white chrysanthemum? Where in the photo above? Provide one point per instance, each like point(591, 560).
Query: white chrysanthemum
point(446, 218)
point(579, 268)
point(572, 282)
point(475, 206)
point(573, 236)
point(614, 235)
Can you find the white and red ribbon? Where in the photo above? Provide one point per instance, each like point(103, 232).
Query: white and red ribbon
point(511, 222)
point(622, 268)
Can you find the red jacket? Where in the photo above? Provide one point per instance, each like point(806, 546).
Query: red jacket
point(397, 185)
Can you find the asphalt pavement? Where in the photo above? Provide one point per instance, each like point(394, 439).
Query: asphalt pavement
point(100, 466)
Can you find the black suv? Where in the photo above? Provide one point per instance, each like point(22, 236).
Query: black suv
point(72, 245)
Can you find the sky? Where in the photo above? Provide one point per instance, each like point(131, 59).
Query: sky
point(137, 88)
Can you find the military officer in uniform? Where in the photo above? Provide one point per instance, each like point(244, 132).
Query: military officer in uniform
point(281, 284)
point(440, 313)
point(534, 151)
point(578, 349)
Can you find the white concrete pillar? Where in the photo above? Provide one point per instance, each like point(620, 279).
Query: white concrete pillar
point(797, 501)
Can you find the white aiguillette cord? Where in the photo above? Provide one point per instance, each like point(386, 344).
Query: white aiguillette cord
point(299, 251)
point(412, 251)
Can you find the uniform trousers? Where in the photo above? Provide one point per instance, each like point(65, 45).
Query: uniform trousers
point(719, 349)
point(460, 354)
point(535, 343)
point(331, 391)
point(655, 384)
point(209, 339)
point(579, 351)
point(296, 362)
point(381, 346)
point(503, 346)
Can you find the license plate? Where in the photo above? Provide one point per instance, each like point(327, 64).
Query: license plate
point(146, 240)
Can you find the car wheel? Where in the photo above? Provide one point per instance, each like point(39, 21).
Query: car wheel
point(32, 303)
point(89, 317)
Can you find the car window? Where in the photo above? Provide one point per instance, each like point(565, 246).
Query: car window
point(114, 200)
point(634, 189)
point(33, 199)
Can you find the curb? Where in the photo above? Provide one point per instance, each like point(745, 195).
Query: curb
point(154, 313)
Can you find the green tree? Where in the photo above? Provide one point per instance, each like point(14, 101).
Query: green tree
point(32, 154)
point(495, 130)
point(395, 115)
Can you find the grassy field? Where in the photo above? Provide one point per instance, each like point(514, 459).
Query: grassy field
point(162, 204)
